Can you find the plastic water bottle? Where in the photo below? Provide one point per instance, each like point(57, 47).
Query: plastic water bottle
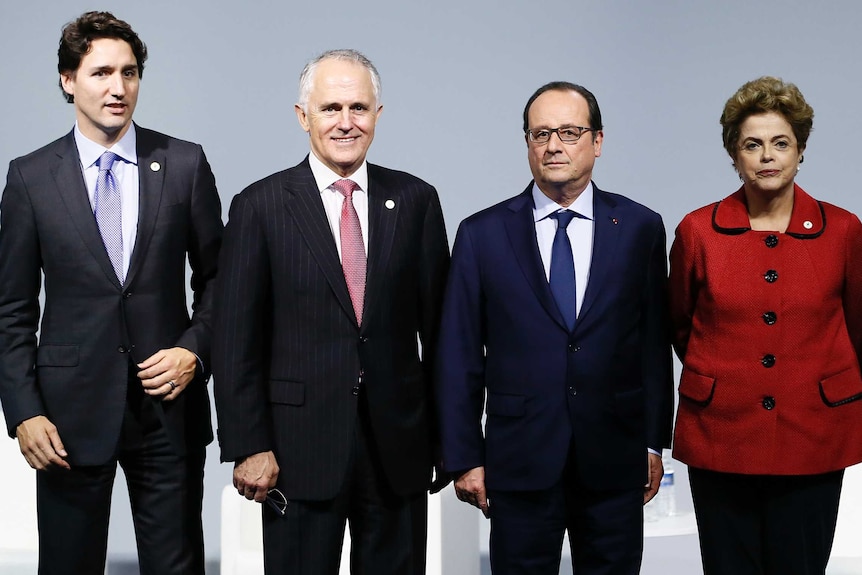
point(664, 503)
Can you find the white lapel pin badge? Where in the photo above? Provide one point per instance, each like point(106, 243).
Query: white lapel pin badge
point(389, 204)
point(155, 166)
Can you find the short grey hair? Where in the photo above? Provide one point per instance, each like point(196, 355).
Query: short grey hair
point(306, 78)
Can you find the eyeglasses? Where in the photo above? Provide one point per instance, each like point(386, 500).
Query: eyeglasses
point(277, 501)
point(567, 134)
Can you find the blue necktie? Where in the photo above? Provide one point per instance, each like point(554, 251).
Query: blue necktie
point(562, 278)
point(108, 210)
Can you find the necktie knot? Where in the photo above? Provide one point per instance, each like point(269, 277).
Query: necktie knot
point(346, 188)
point(564, 218)
point(106, 161)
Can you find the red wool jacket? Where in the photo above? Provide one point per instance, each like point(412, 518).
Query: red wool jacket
point(769, 329)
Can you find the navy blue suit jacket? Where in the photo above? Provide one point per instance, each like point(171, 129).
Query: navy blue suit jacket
point(606, 386)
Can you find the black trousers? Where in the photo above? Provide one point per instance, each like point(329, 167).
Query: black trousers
point(765, 524)
point(166, 494)
point(605, 528)
point(387, 531)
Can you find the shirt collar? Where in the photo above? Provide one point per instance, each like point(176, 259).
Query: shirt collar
point(543, 206)
point(325, 177)
point(89, 151)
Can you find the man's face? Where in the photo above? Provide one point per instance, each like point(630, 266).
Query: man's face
point(341, 115)
point(555, 165)
point(105, 87)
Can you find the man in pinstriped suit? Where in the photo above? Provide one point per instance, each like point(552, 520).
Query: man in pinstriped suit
point(320, 387)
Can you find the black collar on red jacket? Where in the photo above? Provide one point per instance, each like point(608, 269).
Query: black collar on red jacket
point(807, 220)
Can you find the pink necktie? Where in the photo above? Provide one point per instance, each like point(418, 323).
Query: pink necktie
point(353, 259)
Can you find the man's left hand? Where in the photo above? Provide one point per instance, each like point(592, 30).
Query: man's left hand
point(167, 372)
point(656, 471)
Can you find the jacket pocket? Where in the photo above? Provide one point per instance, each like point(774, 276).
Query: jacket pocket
point(57, 356)
point(286, 392)
point(841, 388)
point(696, 388)
point(506, 404)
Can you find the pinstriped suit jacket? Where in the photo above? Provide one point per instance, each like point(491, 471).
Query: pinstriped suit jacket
point(287, 349)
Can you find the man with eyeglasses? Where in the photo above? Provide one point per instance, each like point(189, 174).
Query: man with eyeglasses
point(554, 322)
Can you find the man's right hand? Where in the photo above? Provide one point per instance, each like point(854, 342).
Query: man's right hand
point(470, 487)
point(41, 445)
point(255, 475)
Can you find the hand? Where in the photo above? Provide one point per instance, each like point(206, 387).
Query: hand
point(41, 445)
point(255, 475)
point(175, 365)
point(470, 487)
point(656, 471)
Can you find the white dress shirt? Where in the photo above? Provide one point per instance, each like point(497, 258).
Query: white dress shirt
point(333, 199)
point(125, 174)
point(580, 232)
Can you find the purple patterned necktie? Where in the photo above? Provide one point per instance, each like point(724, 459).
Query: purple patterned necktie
point(353, 259)
point(108, 210)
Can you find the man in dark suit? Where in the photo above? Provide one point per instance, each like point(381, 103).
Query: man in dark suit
point(106, 216)
point(333, 273)
point(555, 324)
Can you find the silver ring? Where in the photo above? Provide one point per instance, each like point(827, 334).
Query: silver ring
point(173, 385)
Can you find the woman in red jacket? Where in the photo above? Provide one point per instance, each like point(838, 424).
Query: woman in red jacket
point(766, 297)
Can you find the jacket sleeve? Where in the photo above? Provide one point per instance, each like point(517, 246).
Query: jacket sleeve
point(203, 250)
point(683, 285)
point(240, 357)
point(20, 284)
point(657, 364)
point(460, 370)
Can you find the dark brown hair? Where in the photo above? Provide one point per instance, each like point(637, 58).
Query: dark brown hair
point(77, 37)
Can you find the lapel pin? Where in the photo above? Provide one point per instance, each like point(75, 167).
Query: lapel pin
point(389, 204)
point(807, 224)
point(155, 166)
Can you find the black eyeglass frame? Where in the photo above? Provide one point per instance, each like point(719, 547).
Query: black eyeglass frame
point(566, 138)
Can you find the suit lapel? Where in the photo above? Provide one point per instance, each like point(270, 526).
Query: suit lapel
point(73, 192)
point(151, 183)
point(381, 234)
point(605, 240)
point(521, 230)
point(302, 200)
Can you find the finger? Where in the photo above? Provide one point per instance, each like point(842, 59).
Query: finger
point(152, 360)
point(56, 442)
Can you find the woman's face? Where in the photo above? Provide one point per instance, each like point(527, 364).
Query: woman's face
point(767, 156)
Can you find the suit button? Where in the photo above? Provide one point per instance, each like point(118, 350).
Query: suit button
point(768, 402)
point(771, 276)
point(363, 339)
point(127, 295)
point(574, 348)
point(768, 360)
point(771, 240)
point(355, 390)
point(122, 349)
point(572, 391)
point(770, 317)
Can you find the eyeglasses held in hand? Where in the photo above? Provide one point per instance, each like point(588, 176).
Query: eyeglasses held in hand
point(567, 134)
point(277, 501)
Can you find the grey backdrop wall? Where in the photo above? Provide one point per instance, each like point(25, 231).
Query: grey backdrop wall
point(456, 75)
